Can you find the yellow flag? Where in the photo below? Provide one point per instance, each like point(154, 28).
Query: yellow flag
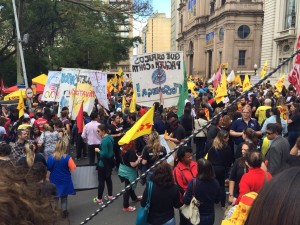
point(123, 103)
point(279, 83)
point(20, 104)
point(264, 69)
point(132, 107)
point(141, 127)
point(120, 72)
point(238, 80)
point(246, 83)
point(221, 91)
point(120, 85)
point(191, 85)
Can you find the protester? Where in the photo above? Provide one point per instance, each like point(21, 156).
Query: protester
point(255, 179)
point(105, 163)
point(40, 121)
point(18, 148)
point(128, 173)
point(5, 151)
point(165, 197)
point(178, 132)
point(275, 118)
point(152, 152)
point(91, 137)
point(293, 121)
point(60, 166)
point(31, 157)
point(48, 140)
point(278, 151)
point(261, 112)
point(185, 170)
point(221, 158)
point(206, 190)
point(200, 138)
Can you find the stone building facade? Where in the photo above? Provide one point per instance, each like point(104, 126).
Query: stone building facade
point(174, 24)
point(280, 32)
point(212, 32)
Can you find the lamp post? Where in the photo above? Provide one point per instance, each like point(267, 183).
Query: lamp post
point(255, 69)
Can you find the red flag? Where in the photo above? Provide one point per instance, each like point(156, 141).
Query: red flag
point(297, 61)
point(217, 78)
point(294, 75)
point(79, 119)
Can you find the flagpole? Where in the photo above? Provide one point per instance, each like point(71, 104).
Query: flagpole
point(19, 40)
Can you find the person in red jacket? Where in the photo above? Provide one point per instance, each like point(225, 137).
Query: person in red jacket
point(255, 179)
point(184, 172)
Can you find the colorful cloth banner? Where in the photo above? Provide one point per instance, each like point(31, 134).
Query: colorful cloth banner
point(155, 72)
point(99, 82)
point(51, 90)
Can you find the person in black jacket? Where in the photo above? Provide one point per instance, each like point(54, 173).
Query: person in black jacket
point(164, 197)
point(206, 190)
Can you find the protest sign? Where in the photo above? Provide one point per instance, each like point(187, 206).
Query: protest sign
point(99, 81)
point(51, 89)
point(155, 72)
point(82, 92)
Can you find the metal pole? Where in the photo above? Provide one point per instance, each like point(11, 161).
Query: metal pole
point(21, 50)
point(20, 44)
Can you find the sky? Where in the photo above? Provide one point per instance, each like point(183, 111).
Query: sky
point(162, 6)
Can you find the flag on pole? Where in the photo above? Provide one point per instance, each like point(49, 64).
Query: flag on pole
point(132, 107)
point(217, 78)
point(120, 72)
point(221, 91)
point(123, 103)
point(141, 127)
point(231, 76)
point(238, 80)
point(279, 84)
point(211, 79)
point(183, 94)
point(264, 69)
point(79, 119)
point(20, 104)
point(246, 83)
point(294, 75)
point(120, 85)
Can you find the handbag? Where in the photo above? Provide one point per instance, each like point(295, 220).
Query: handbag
point(191, 211)
point(142, 215)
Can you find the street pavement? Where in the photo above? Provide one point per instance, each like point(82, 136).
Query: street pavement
point(81, 206)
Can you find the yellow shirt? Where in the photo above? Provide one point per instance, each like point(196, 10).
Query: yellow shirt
point(24, 126)
point(261, 113)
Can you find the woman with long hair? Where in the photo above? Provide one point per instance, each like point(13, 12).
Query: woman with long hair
point(128, 173)
point(105, 163)
point(60, 166)
point(220, 155)
point(294, 123)
point(152, 152)
point(239, 168)
point(116, 131)
point(48, 140)
point(31, 156)
point(165, 197)
point(206, 190)
point(275, 118)
point(248, 136)
point(200, 138)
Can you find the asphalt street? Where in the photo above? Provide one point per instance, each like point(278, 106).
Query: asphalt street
point(81, 206)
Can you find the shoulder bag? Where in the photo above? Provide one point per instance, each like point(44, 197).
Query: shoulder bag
point(142, 215)
point(191, 211)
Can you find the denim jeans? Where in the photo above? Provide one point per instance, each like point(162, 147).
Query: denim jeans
point(170, 222)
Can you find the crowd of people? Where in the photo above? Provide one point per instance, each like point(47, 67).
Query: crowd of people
point(240, 152)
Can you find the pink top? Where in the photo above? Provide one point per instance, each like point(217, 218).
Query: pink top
point(90, 134)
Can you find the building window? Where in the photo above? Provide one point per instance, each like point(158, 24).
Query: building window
point(220, 58)
point(212, 6)
point(181, 23)
point(243, 31)
point(242, 58)
point(290, 14)
point(221, 34)
point(223, 2)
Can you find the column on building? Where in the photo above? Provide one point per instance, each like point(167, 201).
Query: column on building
point(228, 45)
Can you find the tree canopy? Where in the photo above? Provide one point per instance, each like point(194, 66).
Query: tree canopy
point(68, 33)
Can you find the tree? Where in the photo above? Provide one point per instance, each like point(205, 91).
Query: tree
point(70, 33)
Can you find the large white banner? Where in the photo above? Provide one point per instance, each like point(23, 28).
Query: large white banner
point(51, 90)
point(99, 82)
point(155, 72)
